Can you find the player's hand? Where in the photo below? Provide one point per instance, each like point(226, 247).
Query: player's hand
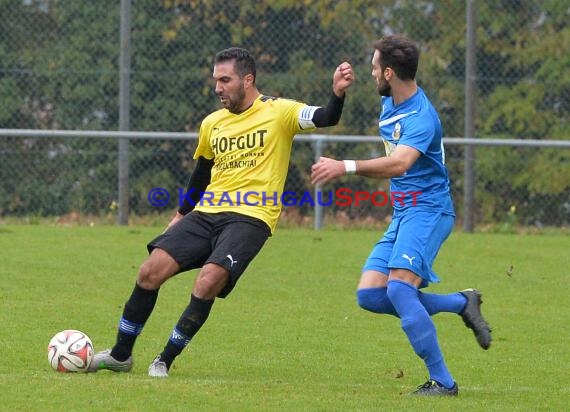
point(174, 220)
point(342, 78)
point(326, 169)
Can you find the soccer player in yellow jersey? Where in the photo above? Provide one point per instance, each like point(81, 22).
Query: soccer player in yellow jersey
point(231, 206)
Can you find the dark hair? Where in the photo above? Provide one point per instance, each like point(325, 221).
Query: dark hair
point(400, 54)
point(244, 62)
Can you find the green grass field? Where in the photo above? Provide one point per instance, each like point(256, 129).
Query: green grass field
point(290, 337)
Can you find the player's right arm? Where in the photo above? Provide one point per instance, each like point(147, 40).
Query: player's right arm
point(327, 169)
point(197, 184)
point(199, 181)
point(201, 176)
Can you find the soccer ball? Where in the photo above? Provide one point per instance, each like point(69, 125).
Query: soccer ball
point(70, 351)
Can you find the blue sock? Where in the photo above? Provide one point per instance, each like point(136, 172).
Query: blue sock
point(435, 303)
point(375, 300)
point(418, 326)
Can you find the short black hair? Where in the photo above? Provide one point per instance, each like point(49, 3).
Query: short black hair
point(244, 61)
point(400, 54)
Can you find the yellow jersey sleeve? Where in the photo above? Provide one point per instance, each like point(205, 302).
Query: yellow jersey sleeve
point(204, 148)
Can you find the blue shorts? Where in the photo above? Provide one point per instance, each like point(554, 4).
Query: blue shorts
point(411, 242)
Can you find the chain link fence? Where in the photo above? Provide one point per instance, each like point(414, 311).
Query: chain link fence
point(59, 70)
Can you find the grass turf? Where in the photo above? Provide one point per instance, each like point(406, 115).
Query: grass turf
point(290, 337)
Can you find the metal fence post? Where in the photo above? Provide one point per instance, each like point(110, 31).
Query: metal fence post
point(318, 224)
point(470, 96)
point(124, 112)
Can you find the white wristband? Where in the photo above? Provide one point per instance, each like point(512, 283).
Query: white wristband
point(350, 166)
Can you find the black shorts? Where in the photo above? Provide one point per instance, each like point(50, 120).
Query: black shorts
point(228, 239)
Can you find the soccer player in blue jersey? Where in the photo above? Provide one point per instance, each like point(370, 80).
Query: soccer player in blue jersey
point(401, 262)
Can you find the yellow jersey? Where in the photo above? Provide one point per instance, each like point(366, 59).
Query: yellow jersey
point(251, 152)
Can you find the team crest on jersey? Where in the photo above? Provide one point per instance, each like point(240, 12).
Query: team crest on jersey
point(397, 131)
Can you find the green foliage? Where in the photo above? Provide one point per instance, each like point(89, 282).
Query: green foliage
point(518, 110)
point(59, 69)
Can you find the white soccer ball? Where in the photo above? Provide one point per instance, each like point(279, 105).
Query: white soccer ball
point(70, 351)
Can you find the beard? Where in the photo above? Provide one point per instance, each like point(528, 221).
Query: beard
point(384, 89)
point(234, 105)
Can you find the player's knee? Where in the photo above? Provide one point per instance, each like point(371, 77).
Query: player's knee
point(210, 281)
point(157, 269)
point(374, 300)
point(147, 277)
point(150, 276)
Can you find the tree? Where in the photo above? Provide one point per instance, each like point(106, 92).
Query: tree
point(59, 70)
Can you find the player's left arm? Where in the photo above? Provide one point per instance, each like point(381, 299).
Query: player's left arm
point(403, 157)
point(316, 116)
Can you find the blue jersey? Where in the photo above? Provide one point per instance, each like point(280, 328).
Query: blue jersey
point(415, 123)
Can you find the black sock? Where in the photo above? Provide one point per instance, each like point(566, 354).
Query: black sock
point(188, 325)
point(135, 314)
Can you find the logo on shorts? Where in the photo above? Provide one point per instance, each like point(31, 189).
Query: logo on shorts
point(410, 259)
point(231, 260)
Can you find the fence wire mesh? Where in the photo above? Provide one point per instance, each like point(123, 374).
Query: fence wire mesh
point(59, 69)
